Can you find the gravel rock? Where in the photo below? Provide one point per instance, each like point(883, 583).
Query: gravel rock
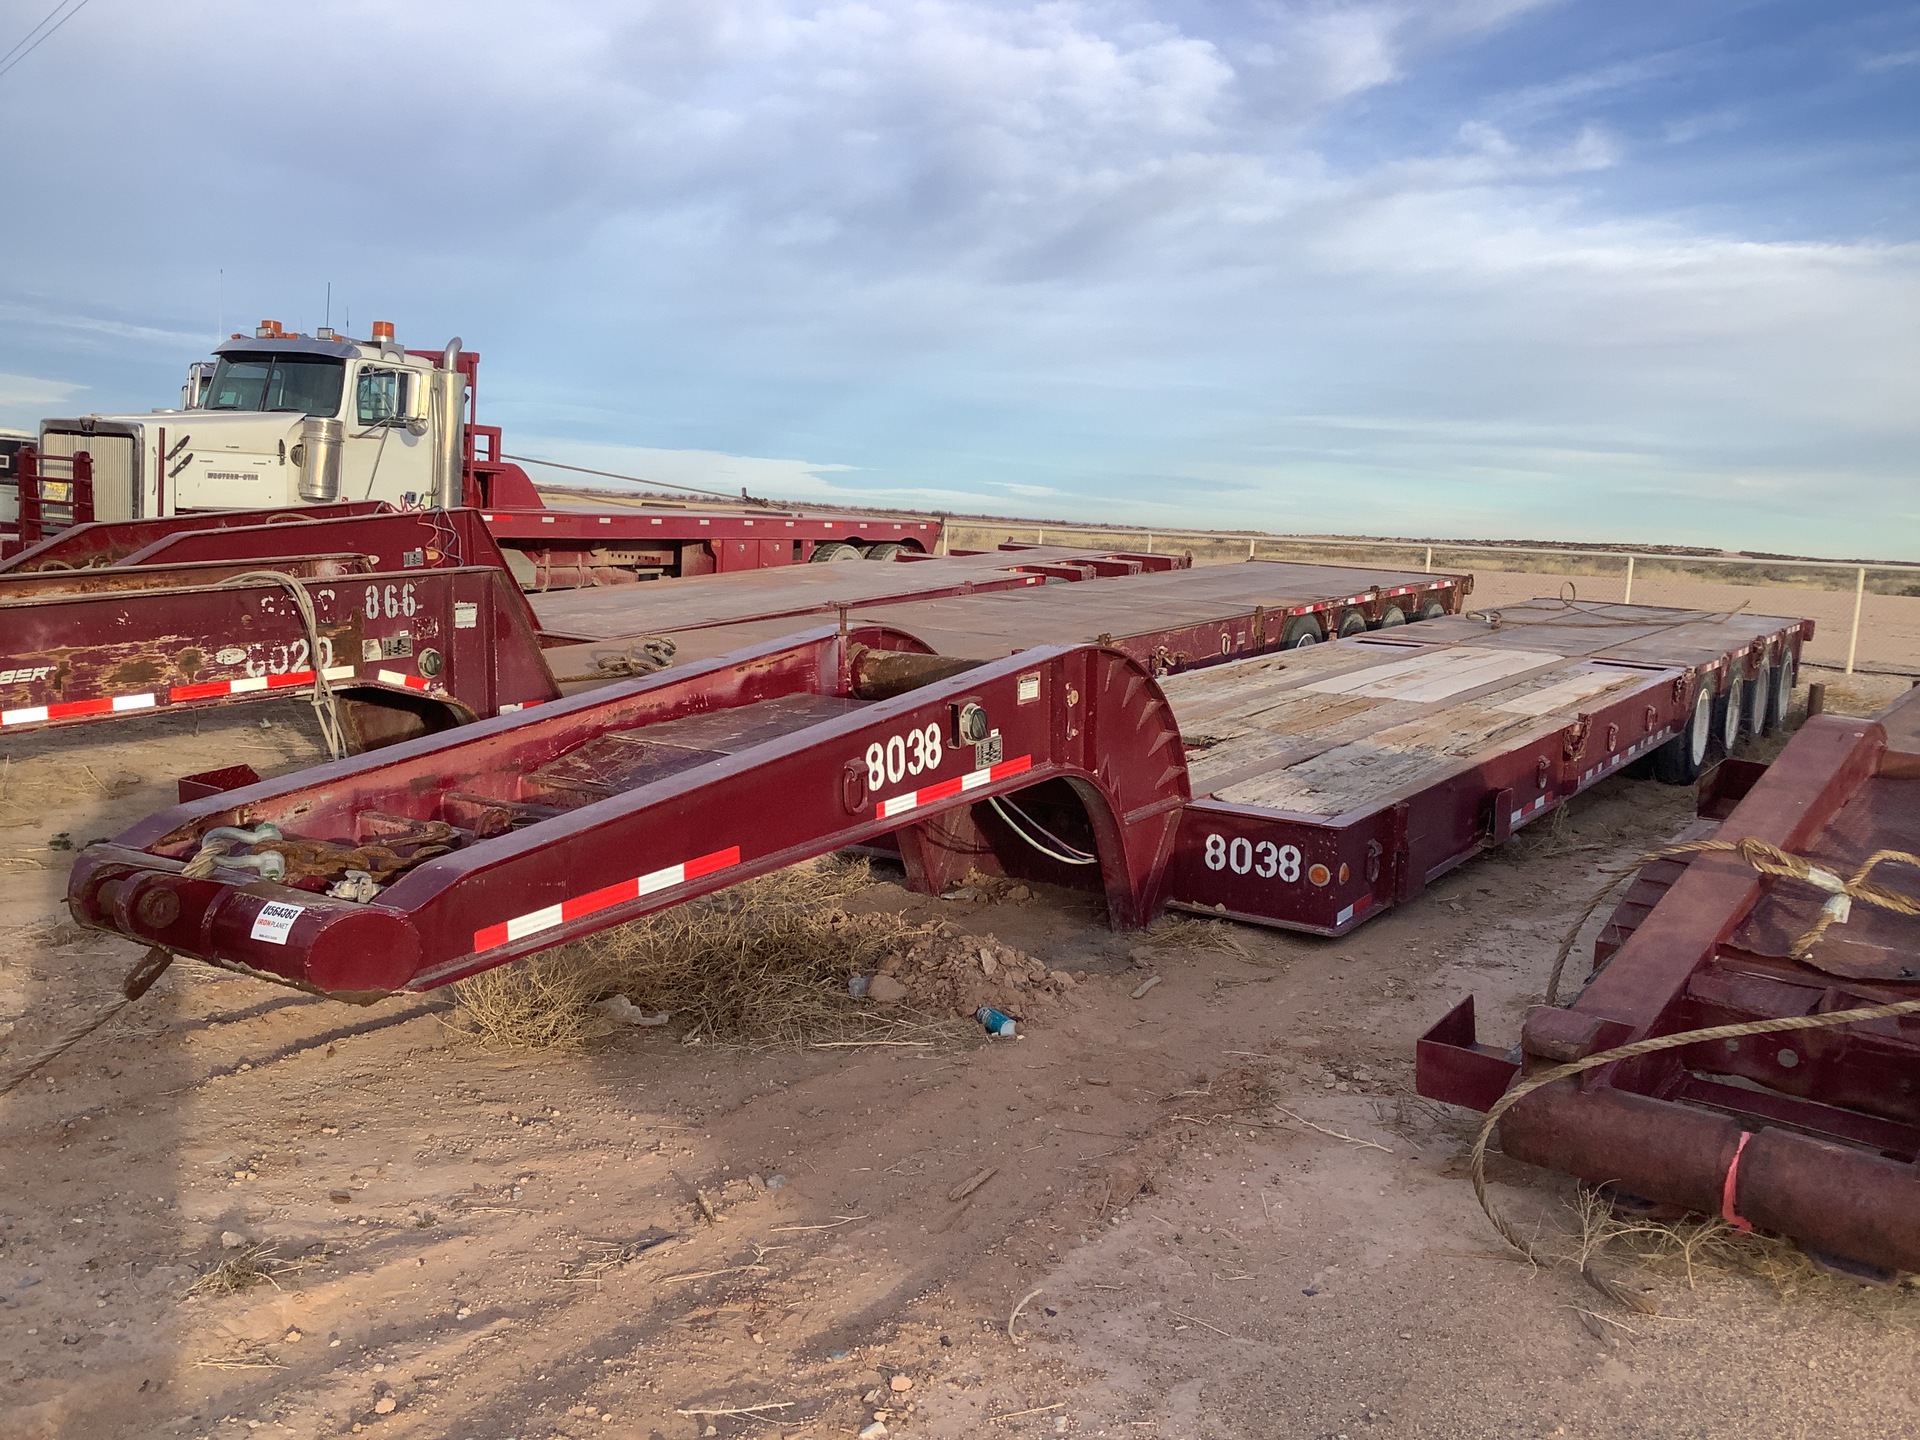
point(885, 990)
point(232, 1240)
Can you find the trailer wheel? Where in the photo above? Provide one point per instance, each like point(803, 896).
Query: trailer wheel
point(1728, 713)
point(833, 552)
point(1352, 623)
point(1433, 610)
point(886, 550)
point(1783, 682)
point(1391, 616)
point(1760, 700)
point(1681, 759)
point(1301, 631)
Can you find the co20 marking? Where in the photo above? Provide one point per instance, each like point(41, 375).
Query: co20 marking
point(1243, 856)
point(290, 658)
point(390, 601)
point(890, 762)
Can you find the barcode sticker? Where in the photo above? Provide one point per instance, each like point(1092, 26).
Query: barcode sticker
point(466, 615)
point(275, 921)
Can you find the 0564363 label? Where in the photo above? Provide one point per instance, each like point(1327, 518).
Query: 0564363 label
point(275, 922)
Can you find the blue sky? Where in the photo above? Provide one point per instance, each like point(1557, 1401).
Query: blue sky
point(1624, 271)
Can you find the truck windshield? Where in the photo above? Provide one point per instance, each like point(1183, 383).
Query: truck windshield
point(277, 382)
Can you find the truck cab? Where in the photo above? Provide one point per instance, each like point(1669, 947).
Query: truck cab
point(279, 419)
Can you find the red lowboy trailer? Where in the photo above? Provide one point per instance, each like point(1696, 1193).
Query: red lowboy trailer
point(1310, 788)
point(1813, 1133)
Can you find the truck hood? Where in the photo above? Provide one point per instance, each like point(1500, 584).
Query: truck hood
point(252, 432)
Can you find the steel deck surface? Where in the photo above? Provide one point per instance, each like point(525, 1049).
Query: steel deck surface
point(625, 611)
point(1213, 608)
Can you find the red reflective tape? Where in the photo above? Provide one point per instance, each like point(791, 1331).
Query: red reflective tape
point(943, 790)
point(598, 900)
point(1005, 768)
point(550, 917)
point(292, 677)
point(206, 690)
point(707, 864)
point(74, 708)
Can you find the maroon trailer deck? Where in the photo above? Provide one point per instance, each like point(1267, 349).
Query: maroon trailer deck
point(1813, 1134)
point(1168, 622)
point(1333, 783)
point(777, 595)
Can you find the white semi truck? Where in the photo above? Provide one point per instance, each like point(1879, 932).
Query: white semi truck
point(276, 419)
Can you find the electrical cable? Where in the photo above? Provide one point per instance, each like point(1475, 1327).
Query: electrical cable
point(1076, 856)
point(11, 59)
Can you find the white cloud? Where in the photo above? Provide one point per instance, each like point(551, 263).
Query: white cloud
point(1086, 252)
point(26, 399)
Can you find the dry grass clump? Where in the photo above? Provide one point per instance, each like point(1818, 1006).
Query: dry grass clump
point(764, 962)
point(1700, 1246)
point(1190, 933)
point(255, 1265)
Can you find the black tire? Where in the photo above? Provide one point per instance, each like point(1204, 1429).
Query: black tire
point(1785, 675)
point(1354, 622)
point(1759, 708)
point(886, 550)
point(1391, 616)
point(1301, 631)
point(1432, 610)
point(833, 552)
point(1681, 759)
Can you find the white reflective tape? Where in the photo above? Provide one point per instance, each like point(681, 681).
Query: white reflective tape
point(24, 716)
point(133, 702)
point(244, 687)
point(660, 880)
point(522, 926)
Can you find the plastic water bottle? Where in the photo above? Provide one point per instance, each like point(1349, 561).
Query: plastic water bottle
point(996, 1023)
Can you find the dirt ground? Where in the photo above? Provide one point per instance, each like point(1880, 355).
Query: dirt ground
point(1218, 1208)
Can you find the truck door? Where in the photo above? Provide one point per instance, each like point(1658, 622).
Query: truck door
point(387, 455)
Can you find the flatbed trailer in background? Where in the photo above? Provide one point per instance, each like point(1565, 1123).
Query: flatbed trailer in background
point(1813, 1134)
point(1309, 789)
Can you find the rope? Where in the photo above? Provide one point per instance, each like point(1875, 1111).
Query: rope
point(1627, 1052)
point(1767, 859)
point(326, 705)
point(137, 982)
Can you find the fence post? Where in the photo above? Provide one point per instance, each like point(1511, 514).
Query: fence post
point(1429, 559)
point(1626, 596)
point(1249, 548)
point(1149, 542)
point(1039, 537)
point(1859, 595)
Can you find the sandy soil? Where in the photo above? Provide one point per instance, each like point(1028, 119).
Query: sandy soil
point(1237, 1219)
